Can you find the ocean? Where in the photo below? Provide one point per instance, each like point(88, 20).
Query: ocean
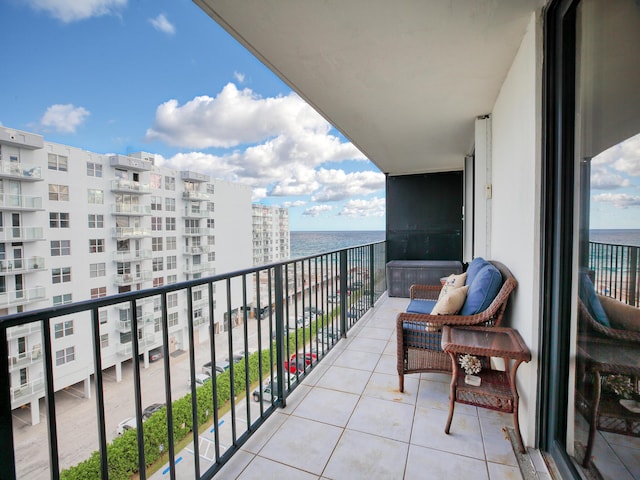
point(616, 237)
point(312, 243)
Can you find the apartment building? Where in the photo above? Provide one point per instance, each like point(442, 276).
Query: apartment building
point(271, 239)
point(76, 225)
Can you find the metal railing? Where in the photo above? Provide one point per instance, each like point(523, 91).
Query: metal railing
point(616, 271)
point(272, 322)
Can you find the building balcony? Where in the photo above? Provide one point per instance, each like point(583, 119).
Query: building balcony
point(144, 319)
point(132, 256)
point(21, 265)
point(27, 392)
point(197, 249)
point(190, 212)
point(195, 195)
point(123, 233)
point(20, 171)
point(131, 210)
point(23, 203)
point(199, 268)
point(190, 176)
point(197, 231)
point(21, 234)
point(131, 278)
point(23, 330)
point(201, 320)
point(130, 163)
point(22, 297)
point(129, 186)
point(25, 359)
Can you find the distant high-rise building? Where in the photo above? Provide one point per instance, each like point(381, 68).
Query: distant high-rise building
point(271, 236)
point(76, 225)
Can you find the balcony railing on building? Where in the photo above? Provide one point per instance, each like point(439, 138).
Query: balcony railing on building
point(28, 390)
point(20, 171)
point(132, 256)
point(197, 249)
point(22, 297)
point(195, 195)
point(21, 234)
point(197, 231)
point(191, 212)
point(122, 279)
point(131, 232)
point(25, 203)
point(21, 265)
point(131, 210)
point(129, 186)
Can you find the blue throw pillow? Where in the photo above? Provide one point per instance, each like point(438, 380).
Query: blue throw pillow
point(482, 290)
point(421, 306)
point(474, 267)
point(587, 294)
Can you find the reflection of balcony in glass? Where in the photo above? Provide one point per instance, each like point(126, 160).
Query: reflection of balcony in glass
point(20, 171)
point(128, 209)
point(25, 203)
point(131, 232)
point(129, 186)
point(21, 234)
point(21, 265)
point(22, 297)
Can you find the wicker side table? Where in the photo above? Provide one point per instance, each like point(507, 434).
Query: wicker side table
point(497, 389)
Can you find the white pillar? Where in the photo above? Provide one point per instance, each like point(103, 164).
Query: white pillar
point(145, 357)
point(35, 411)
point(118, 372)
point(87, 387)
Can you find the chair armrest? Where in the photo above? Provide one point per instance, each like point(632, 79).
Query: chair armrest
point(621, 315)
point(424, 292)
point(440, 320)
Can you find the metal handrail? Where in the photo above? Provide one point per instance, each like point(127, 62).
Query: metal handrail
point(284, 291)
point(616, 270)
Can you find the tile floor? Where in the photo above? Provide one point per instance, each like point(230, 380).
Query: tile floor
point(347, 420)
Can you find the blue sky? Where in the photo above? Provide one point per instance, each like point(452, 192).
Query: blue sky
point(118, 76)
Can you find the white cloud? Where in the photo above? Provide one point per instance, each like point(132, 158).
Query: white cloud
point(339, 185)
point(602, 179)
point(162, 24)
point(258, 194)
point(236, 117)
point(624, 157)
point(317, 210)
point(239, 77)
point(64, 118)
point(618, 200)
point(74, 10)
point(297, 203)
point(374, 207)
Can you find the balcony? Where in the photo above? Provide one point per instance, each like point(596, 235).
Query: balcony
point(130, 163)
point(22, 297)
point(27, 391)
point(21, 265)
point(20, 171)
point(195, 195)
point(21, 234)
point(197, 249)
point(190, 212)
point(190, 176)
point(130, 210)
point(132, 256)
point(197, 231)
point(125, 325)
point(24, 359)
point(23, 203)
point(199, 268)
point(122, 279)
point(129, 186)
point(122, 233)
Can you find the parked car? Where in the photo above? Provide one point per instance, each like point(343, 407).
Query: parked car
point(273, 334)
point(315, 311)
point(151, 409)
point(298, 361)
point(328, 335)
point(126, 424)
point(155, 354)
point(267, 389)
point(221, 366)
point(236, 357)
point(201, 379)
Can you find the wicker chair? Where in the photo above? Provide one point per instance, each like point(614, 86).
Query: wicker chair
point(420, 335)
point(625, 321)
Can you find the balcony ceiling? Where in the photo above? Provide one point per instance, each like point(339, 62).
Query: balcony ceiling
point(403, 80)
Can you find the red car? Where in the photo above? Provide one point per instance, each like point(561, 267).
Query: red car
point(295, 361)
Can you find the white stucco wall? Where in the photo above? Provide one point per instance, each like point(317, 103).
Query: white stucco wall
point(515, 219)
